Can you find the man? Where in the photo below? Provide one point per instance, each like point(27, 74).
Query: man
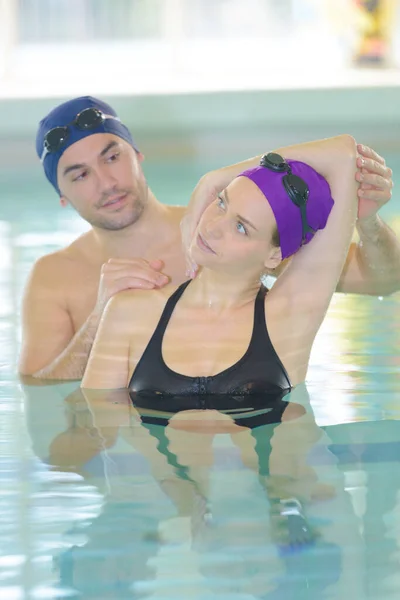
point(93, 163)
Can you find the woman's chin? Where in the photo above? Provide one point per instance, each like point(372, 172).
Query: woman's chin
point(200, 257)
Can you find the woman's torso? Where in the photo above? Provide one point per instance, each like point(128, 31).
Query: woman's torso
point(194, 352)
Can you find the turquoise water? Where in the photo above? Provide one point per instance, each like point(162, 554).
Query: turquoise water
point(98, 502)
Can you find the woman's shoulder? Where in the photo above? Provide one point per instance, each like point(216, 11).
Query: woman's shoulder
point(128, 300)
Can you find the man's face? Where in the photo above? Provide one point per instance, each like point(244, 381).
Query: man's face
point(101, 177)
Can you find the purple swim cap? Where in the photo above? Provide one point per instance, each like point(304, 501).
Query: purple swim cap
point(287, 214)
point(64, 114)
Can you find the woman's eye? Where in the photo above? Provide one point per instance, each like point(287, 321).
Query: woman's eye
point(241, 228)
point(220, 203)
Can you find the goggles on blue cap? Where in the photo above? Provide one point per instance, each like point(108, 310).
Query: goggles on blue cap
point(71, 122)
point(87, 119)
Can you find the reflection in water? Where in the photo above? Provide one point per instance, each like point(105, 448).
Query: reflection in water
point(195, 504)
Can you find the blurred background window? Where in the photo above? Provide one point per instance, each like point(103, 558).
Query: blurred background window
point(42, 21)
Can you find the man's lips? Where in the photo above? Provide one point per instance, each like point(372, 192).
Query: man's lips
point(116, 200)
point(204, 245)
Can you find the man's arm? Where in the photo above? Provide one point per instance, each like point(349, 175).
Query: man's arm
point(373, 264)
point(50, 348)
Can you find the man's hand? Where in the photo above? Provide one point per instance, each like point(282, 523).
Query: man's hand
point(123, 274)
point(376, 182)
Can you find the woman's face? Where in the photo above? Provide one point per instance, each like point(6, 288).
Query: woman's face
point(235, 231)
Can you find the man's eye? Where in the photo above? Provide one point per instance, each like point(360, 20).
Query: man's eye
point(80, 176)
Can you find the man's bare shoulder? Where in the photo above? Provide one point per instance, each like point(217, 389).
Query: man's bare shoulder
point(176, 214)
point(56, 266)
point(177, 211)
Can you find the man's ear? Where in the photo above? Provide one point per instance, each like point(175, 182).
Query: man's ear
point(140, 157)
point(63, 201)
point(274, 259)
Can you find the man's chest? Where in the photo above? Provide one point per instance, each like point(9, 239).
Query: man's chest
point(82, 296)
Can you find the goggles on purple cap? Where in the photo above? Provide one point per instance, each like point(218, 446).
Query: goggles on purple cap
point(298, 195)
point(87, 119)
point(296, 188)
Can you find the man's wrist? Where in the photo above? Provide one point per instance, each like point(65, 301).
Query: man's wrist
point(369, 228)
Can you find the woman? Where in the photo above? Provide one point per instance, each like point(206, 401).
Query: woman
point(221, 334)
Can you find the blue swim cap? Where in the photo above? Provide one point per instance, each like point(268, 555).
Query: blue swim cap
point(63, 115)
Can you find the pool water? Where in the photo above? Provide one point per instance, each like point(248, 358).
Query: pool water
point(98, 500)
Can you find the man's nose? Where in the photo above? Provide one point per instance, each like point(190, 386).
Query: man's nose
point(106, 179)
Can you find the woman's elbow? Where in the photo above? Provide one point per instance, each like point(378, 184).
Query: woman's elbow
point(347, 146)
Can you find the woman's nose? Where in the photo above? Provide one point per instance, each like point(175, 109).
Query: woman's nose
point(214, 228)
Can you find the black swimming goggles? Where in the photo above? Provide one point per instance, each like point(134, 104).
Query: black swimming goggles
point(296, 188)
point(87, 119)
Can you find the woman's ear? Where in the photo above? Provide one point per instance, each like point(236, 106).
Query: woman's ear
point(274, 259)
point(63, 201)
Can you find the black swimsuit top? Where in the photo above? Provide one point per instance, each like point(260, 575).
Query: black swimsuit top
point(259, 371)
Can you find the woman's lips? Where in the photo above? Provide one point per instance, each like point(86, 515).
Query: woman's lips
point(203, 245)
